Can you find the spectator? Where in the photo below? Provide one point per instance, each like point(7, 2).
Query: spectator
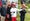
point(3, 13)
point(22, 12)
point(13, 12)
point(8, 15)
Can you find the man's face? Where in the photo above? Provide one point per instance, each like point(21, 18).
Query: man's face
point(23, 5)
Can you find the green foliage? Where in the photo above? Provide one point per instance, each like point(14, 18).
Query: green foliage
point(27, 16)
point(28, 5)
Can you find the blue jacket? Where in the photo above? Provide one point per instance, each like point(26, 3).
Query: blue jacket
point(3, 11)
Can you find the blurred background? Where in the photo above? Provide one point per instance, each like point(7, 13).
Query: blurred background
point(27, 2)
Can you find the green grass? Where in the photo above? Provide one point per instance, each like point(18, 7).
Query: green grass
point(27, 17)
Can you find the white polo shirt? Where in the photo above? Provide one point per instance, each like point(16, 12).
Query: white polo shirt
point(13, 12)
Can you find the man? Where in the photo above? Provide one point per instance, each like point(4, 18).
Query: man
point(22, 11)
point(0, 6)
point(13, 12)
point(3, 13)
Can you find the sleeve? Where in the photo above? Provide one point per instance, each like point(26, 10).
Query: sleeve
point(7, 9)
point(20, 10)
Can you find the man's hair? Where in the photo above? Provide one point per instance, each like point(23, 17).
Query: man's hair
point(22, 1)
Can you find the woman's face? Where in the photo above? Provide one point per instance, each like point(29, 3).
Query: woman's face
point(9, 6)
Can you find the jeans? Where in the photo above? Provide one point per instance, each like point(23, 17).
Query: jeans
point(22, 17)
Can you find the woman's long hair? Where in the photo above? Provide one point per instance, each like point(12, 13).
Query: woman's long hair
point(8, 12)
point(8, 9)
